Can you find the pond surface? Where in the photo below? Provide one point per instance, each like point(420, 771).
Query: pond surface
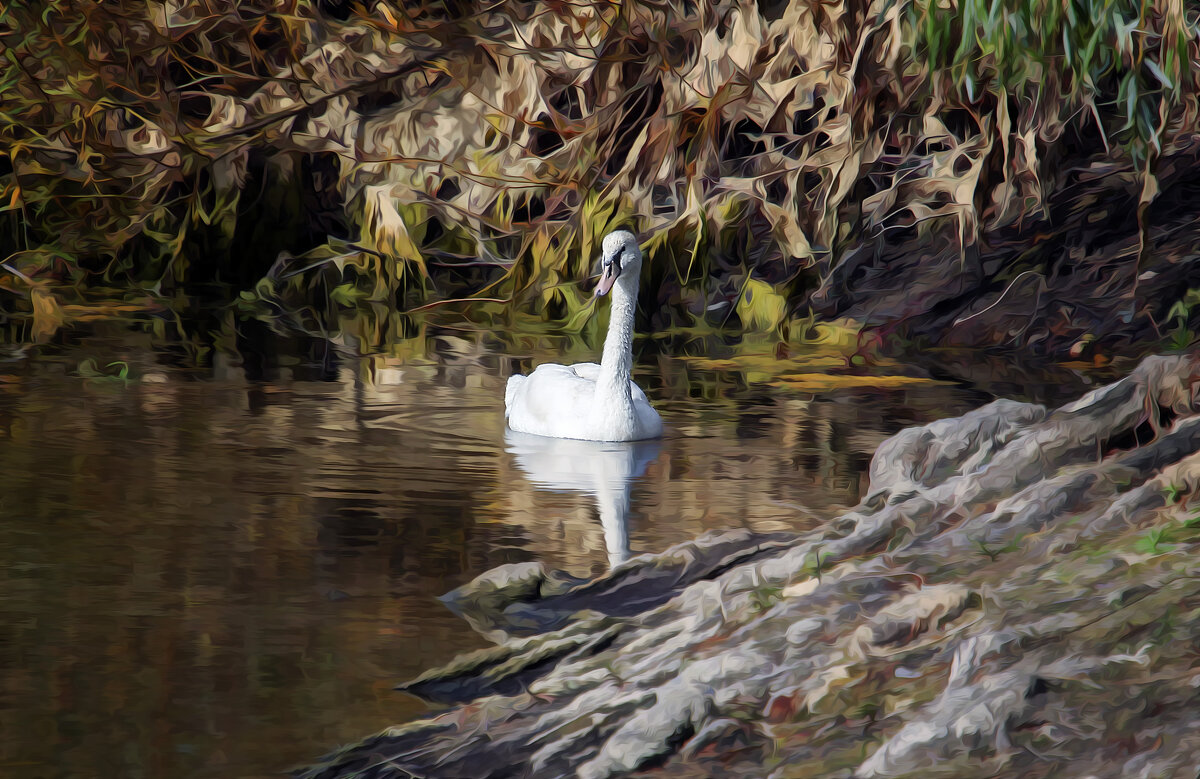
point(223, 570)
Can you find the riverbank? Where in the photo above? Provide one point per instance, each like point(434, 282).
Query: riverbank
point(1016, 595)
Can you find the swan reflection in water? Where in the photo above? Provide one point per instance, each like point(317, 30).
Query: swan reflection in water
point(605, 470)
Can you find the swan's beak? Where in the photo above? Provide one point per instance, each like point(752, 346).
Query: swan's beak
point(608, 277)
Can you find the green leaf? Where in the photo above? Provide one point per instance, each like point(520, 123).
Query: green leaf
point(346, 294)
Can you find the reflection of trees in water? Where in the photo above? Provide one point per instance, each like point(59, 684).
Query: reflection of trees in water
point(188, 564)
point(772, 460)
point(240, 568)
point(804, 461)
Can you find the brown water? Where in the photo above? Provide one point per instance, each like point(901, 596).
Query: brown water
point(223, 570)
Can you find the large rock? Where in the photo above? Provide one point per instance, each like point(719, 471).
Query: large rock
point(1018, 595)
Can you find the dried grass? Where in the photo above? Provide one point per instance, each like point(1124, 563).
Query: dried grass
point(485, 148)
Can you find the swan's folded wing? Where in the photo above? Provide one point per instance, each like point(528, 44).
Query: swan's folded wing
point(591, 372)
point(587, 370)
point(551, 397)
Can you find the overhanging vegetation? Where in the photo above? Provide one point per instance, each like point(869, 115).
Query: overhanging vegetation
point(892, 161)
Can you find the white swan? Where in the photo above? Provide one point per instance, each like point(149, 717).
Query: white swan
point(589, 401)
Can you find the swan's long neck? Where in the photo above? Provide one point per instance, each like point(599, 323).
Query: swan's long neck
point(612, 386)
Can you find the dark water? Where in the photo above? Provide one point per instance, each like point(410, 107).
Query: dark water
point(222, 570)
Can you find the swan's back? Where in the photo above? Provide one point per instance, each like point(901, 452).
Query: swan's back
point(554, 400)
point(560, 401)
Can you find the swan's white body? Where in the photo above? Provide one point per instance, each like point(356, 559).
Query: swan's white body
point(589, 401)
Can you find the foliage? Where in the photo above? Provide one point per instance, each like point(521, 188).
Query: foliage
point(104, 171)
point(1131, 56)
point(324, 154)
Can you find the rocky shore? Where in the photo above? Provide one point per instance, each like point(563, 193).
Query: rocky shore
point(1017, 595)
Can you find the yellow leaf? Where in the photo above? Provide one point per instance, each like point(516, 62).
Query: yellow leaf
point(47, 314)
point(760, 306)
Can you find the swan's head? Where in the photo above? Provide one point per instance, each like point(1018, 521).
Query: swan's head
point(619, 255)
